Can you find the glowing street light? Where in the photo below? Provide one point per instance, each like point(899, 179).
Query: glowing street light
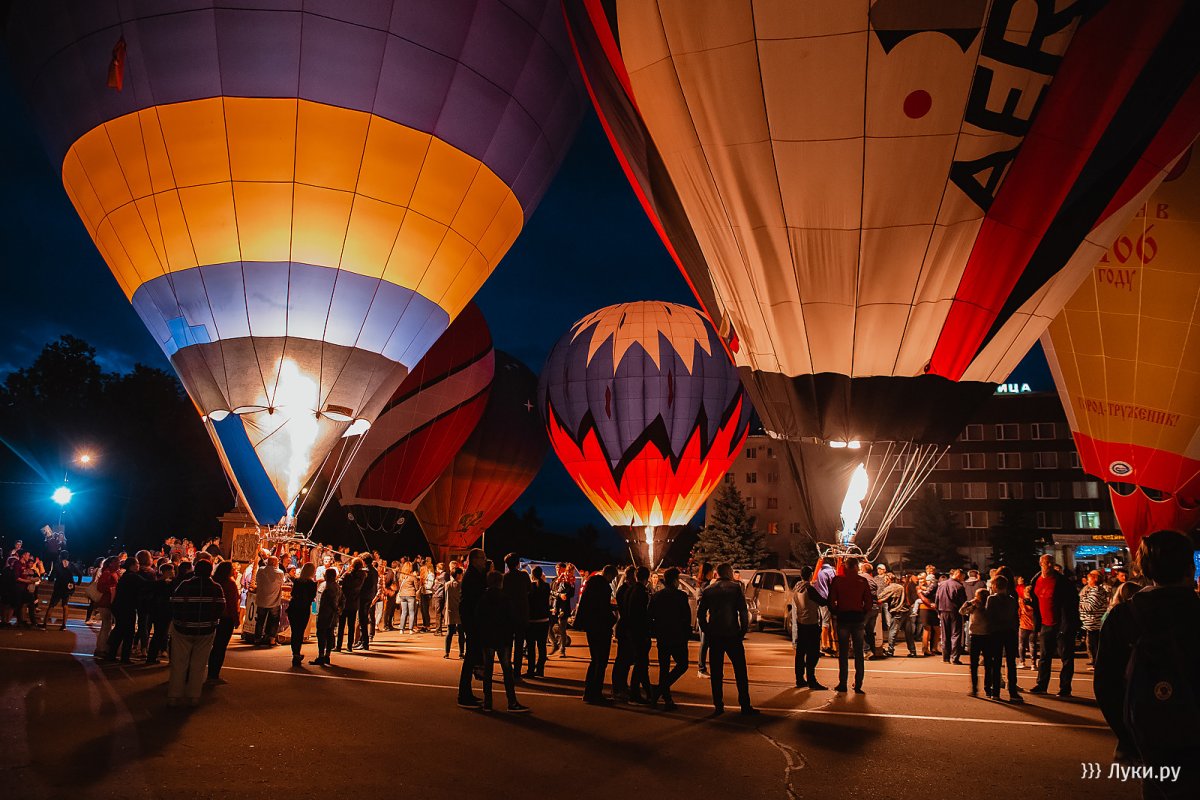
point(62, 495)
point(85, 458)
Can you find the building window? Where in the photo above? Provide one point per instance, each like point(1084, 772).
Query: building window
point(751, 477)
point(1045, 460)
point(772, 502)
point(1087, 520)
point(1011, 491)
point(730, 477)
point(974, 491)
point(770, 452)
point(751, 452)
point(772, 477)
point(972, 461)
point(1074, 459)
point(1008, 432)
point(1008, 460)
point(975, 519)
point(1049, 520)
point(751, 502)
point(1085, 490)
point(772, 527)
point(1045, 490)
point(796, 529)
point(943, 490)
point(972, 433)
point(1043, 430)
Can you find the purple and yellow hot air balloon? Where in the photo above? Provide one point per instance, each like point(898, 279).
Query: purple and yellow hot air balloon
point(298, 198)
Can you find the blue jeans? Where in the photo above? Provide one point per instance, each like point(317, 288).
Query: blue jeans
point(408, 613)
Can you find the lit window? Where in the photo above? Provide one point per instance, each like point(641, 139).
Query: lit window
point(772, 527)
point(1008, 432)
point(1087, 520)
point(1085, 490)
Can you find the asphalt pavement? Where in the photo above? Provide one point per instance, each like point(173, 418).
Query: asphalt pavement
point(385, 723)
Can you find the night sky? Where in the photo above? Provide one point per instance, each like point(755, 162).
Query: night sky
point(587, 246)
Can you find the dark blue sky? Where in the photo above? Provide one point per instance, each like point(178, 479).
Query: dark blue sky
point(587, 246)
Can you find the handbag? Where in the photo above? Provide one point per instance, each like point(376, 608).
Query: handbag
point(92, 590)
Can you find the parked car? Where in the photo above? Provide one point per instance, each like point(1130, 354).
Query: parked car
point(769, 597)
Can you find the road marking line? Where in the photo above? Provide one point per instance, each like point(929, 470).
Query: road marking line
point(535, 693)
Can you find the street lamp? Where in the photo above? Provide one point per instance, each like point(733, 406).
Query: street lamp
point(85, 458)
point(62, 495)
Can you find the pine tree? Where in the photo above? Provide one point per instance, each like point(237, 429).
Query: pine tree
point(1016, 541)
point(936, 533)
point(729, 534)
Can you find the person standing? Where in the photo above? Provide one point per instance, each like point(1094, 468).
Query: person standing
point(561, 593)
point(408, 592)
point(474, 584)
point(724, 618)
point(106, 588)
point(1148, 666)
point(897, 598)
point(125, 609)
point(806, 630)
point(160, 612)
point(389, 586)
point(670, 617)
point(516, 586)
point(594, 616)
point(849, 599)
point(196, 609)
point(975, 610)
point(496, 629)
point(633, 638)
point(538, 627)
point(64, 576)
point(1056, 618)
point(1093, 602)
point(948, 598)
point(427, 578)
point(871, 621)
point(268, 598)
point(223, 577)
point(451, 613)
point(329, 613)
point(352, 584)
point(1003, 619)
point(367, 597)
point(304, 592)
point(437, 602)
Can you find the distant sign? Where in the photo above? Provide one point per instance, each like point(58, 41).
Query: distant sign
point(1014, 388)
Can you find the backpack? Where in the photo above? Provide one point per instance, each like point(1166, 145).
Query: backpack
point(1161, 704)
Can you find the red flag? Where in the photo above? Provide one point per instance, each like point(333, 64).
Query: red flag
point(116, 67)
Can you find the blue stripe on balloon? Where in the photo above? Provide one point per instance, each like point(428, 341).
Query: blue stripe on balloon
point(248, 471)
point(240, 299)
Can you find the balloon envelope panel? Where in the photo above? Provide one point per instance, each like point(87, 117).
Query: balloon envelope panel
point(298, 200)
point(498, 462)
point(1125, 353)
point(645, 411)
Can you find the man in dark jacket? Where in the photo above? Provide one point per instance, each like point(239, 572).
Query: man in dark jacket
point(724, 619)
point(633, 638)
point(594, 616)
point(366, 604)
point(196, 608)
point(671, 622)
point(1168, 612)
point(495, 627)
point(1056, 619)
point(474, 584)
point(516, 586)
point(948, 598)
point(130, 588)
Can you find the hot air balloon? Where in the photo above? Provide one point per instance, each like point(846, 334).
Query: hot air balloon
point(388, 469)
point(1125, 353)
point(297, 201)
point(646, 412)
point(498, 462)
point(882, 205)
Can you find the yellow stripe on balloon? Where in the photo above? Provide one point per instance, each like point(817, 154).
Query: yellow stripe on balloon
point(267, 179)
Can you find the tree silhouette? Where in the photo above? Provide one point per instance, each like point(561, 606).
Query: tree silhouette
point(729, 534)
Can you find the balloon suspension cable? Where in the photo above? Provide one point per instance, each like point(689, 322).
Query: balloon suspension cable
point(914, 463)
point(340, 468)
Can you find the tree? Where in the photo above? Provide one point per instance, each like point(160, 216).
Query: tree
point(1016, 541)
point(729, 534)
point(802, 551)
point(936, 533)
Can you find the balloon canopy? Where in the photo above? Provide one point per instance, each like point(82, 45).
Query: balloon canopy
point(1125, 353)
point(882, 205)
point(298, 198)
point(646, 412)
point(388, 469)
point(496, 464)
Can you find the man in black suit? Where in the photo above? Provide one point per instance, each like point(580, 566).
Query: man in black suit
point(671, 621)
point(725, 620)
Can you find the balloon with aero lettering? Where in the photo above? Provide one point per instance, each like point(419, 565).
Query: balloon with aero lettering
point(496, 464)
point(646, 412)
point(882, 205)
point(297, 201)
point(1125, 353)
point(419, 429)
